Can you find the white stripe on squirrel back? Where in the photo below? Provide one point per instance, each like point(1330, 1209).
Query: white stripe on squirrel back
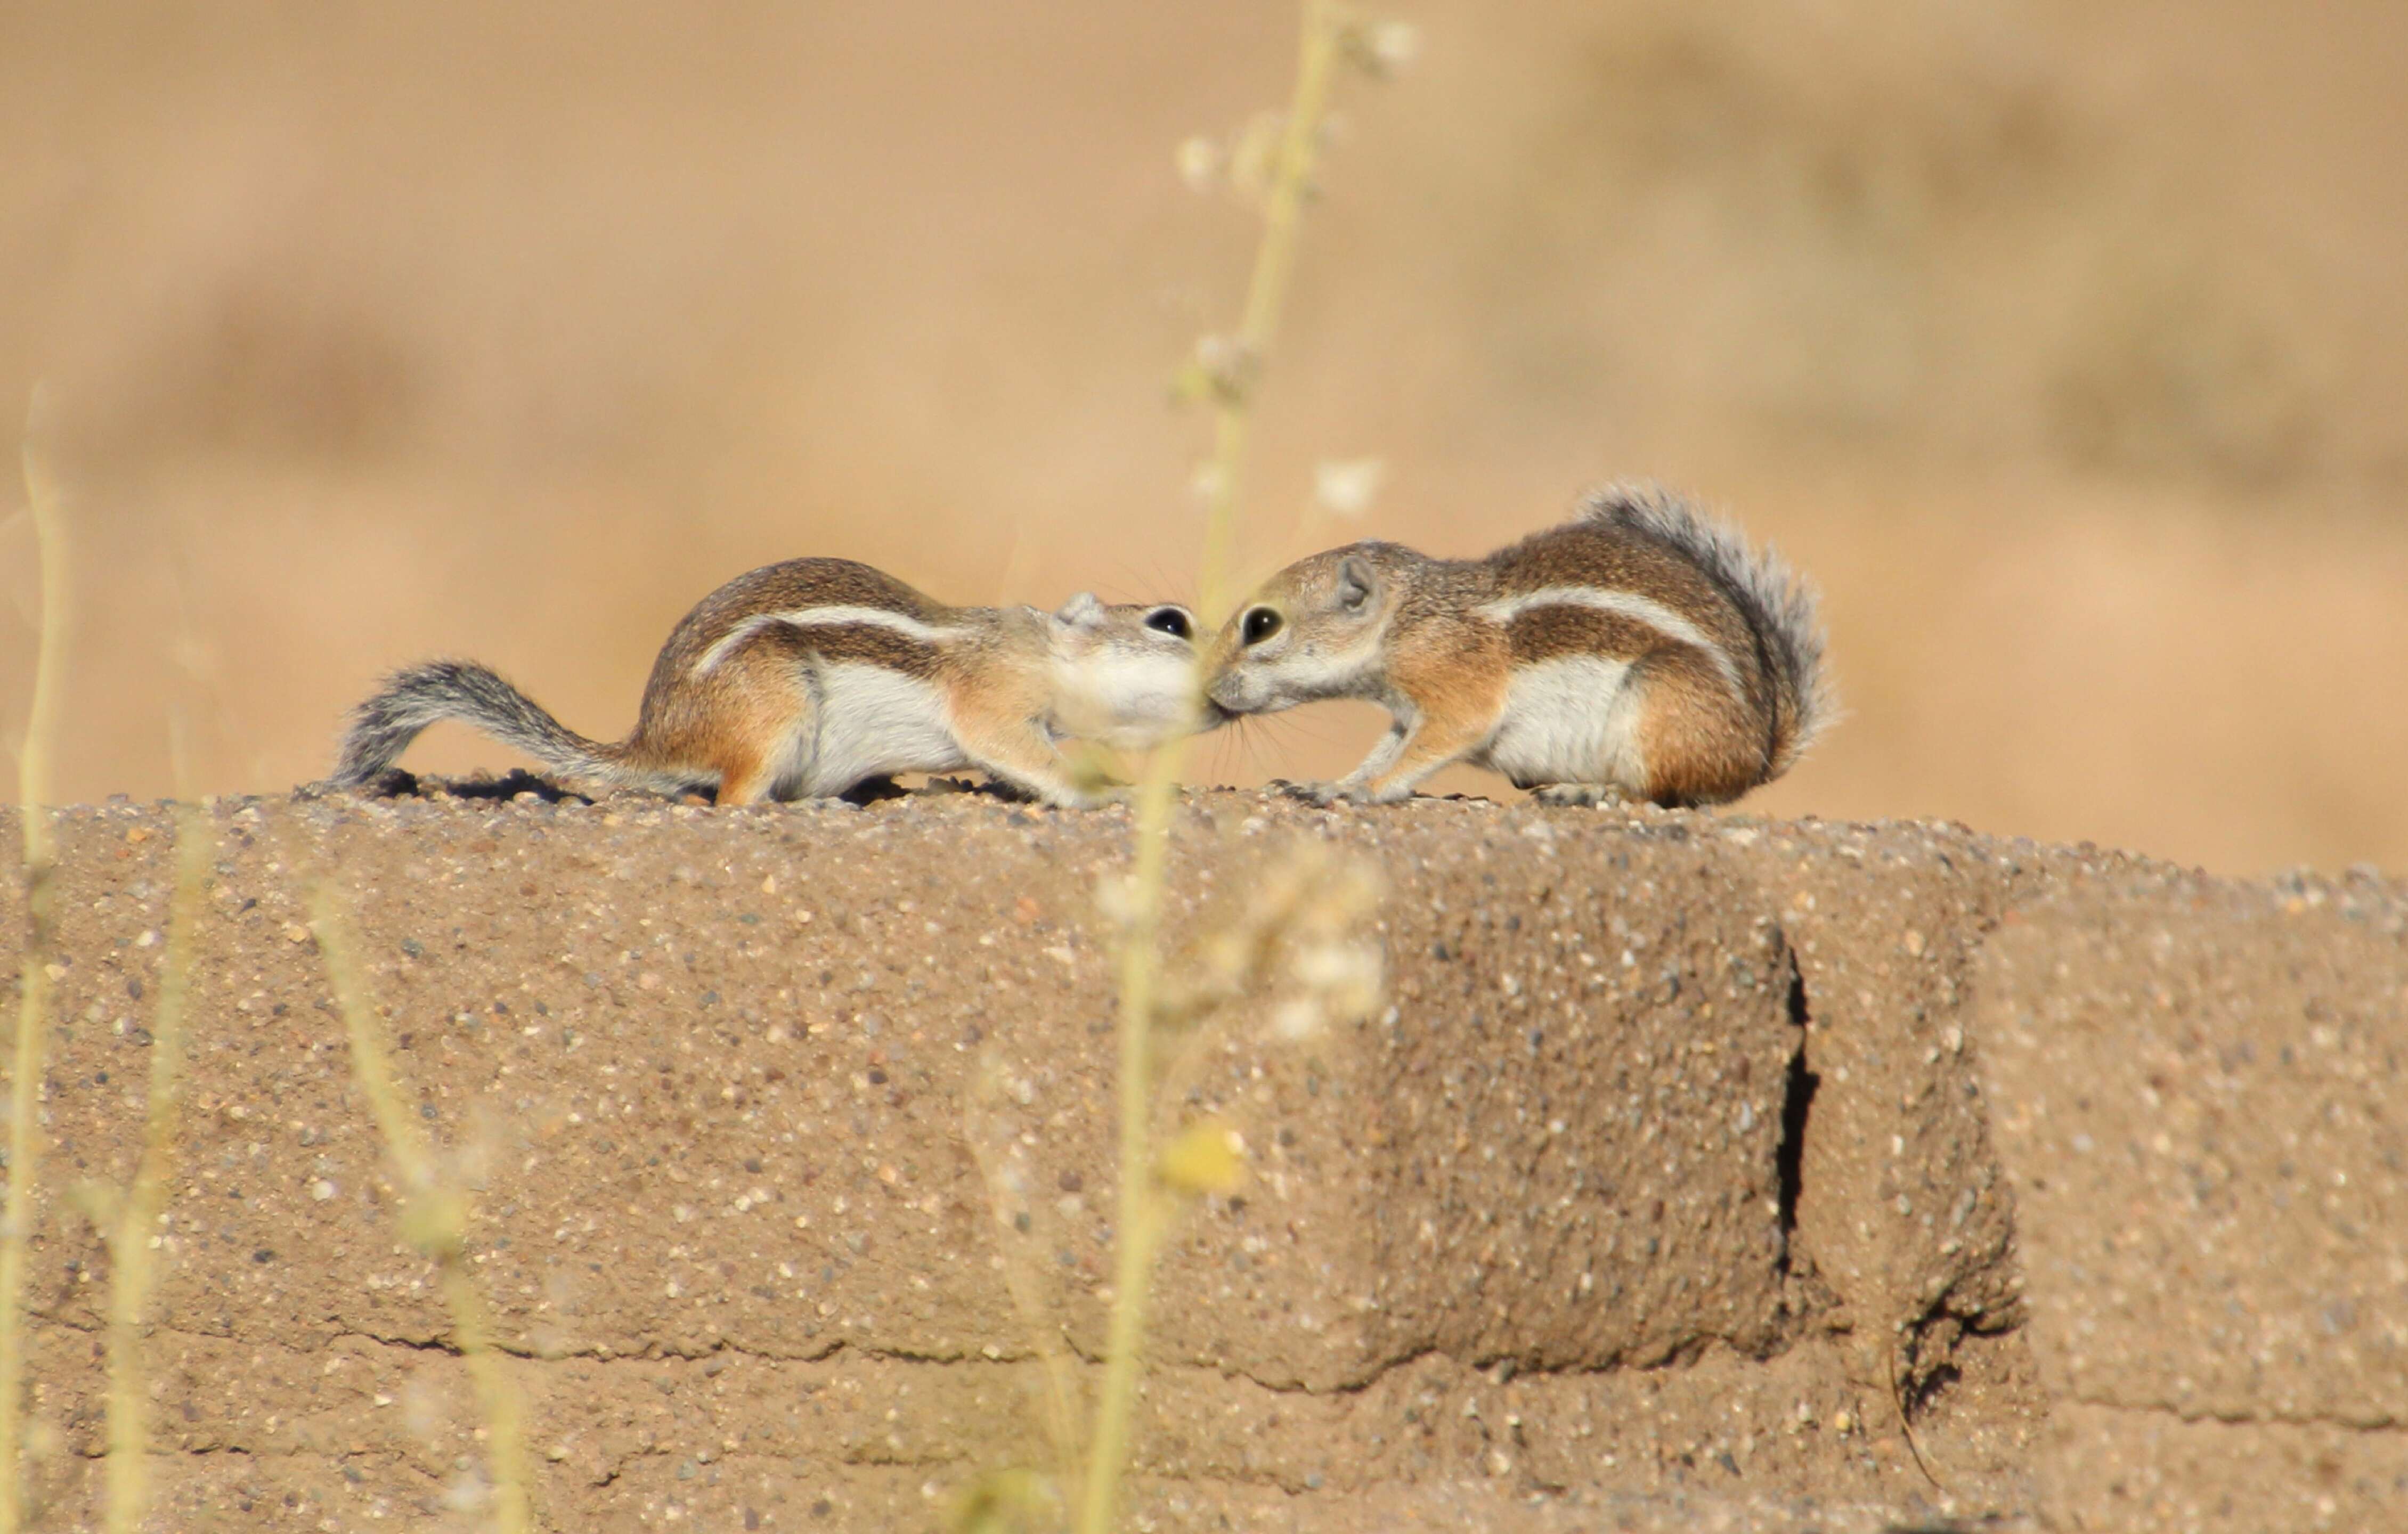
point(1622, 604)
point(827, 617)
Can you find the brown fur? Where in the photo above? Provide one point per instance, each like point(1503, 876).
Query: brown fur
point(733, 722)
point(1544, 633)
point(1455, 675)
point(1699, 750)
point(1382, 621)
point(998, 725)
point(754, 722)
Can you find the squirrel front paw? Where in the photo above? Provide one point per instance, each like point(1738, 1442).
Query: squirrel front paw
point(1091, 795)
point(1325, 795)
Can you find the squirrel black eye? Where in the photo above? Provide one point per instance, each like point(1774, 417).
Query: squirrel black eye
point(1261, 623)
point(1170, 621)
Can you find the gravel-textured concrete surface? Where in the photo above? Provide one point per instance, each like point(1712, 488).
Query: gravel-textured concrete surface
point(2200, 1097)
point(1662, 1190)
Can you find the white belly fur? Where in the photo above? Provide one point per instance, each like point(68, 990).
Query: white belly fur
point(1571, 719)
point(872, 721)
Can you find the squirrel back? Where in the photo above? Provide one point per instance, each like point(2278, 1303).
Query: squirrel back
point(809, 677)
point(1636, 650)
point(1776, 603)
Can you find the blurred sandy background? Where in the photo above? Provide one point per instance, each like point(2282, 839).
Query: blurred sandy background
point(2065, 344)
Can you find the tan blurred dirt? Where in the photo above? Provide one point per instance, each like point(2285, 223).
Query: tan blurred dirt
point(2061, 343)
point(1696, 1172)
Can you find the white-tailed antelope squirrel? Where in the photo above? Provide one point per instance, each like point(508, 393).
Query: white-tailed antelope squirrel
point(809, 677)
point(1636, 650)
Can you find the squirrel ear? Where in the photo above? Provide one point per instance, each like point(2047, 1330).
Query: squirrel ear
point(1081, 612)
point(1357, 582)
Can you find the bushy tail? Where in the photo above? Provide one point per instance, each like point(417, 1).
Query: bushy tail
point(1777, 603)
point(412, 699)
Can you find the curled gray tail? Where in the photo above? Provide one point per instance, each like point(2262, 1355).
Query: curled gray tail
point(1776, 602)
point(412, 699)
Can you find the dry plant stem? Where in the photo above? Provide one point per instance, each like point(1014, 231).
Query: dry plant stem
point(130, 1254)
point(1133, 1226)
point(130, 1231)
point(1267, 293)
point(1140, 1219)
point(34, 983)
point(435, 1218)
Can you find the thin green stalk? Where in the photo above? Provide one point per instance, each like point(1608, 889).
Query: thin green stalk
point(1140, 1220)
point(34, 984)
point(434, 1218)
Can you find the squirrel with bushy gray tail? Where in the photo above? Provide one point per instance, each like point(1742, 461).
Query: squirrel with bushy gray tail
point(1636, 652)
point(816, 676)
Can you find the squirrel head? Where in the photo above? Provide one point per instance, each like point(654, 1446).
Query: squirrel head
point(1316, 630)
point(1126, 673)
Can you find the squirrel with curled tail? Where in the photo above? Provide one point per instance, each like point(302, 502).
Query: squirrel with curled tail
point(812, 677)
point(1635, 651)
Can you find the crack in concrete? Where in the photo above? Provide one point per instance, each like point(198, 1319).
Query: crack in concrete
point(1797, 1105)
point(2373, 1422)
point(1342, 1390)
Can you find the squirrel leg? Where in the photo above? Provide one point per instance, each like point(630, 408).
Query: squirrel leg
point(1383, 756)
point(760, 759)
point(1024, 756)
point(1448, 695)
point(1701, 744)
point(1432, 744)
point(1000, 733)
point(1448, 698)
point(747, 725)
point(743, 783)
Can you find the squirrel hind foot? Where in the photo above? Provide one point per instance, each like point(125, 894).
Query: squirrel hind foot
point(1580, 795)
point(1343, 791)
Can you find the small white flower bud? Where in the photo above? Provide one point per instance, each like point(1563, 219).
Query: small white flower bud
point(1346, 488)
point(1383, 50)
point(1199, 160)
